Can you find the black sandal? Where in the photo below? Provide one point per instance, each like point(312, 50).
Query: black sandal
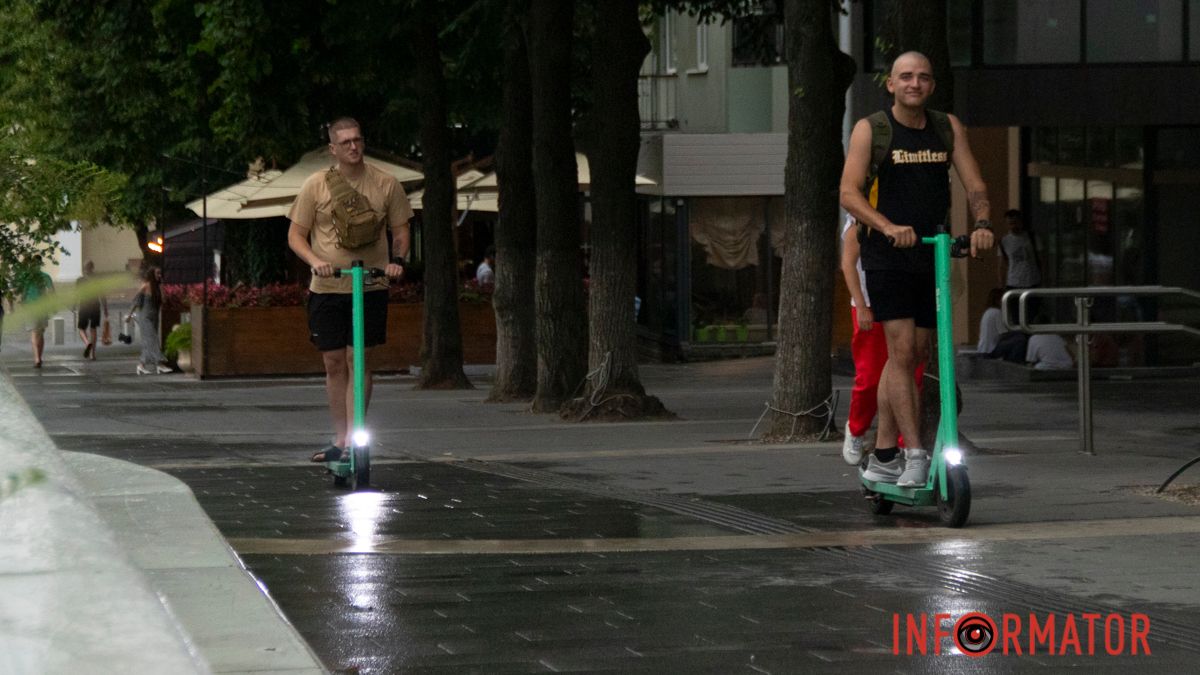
point(331, 454)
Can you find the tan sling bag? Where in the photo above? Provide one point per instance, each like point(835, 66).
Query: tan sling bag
point(354, 221)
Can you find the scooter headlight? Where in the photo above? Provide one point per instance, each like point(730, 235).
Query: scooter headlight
point(361, 438)
point(954, 456)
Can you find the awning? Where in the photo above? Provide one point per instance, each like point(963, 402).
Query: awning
point(272, 194)
point(479, 192)
point(467, 200)
point(583, 173)
point(227, 202)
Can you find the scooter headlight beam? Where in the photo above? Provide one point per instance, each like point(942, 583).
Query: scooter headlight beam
point(954, 456)
point(361, 438)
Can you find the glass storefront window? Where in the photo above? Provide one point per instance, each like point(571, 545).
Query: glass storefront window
point(1072, 239)
point(1179, 147)
point(1045, 144)
point(1129, 148)
point(1127, 211)
point(1031, 31)
point(1041, 221)
point(1131, 32)
point(1100, 146)
point(657, 286)
point(1100, 226)
point(729, 245)
point(958, 31)
point(1072, 146)
point(1194, 29)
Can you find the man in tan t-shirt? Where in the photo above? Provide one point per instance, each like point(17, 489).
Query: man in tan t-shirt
point(313, 238)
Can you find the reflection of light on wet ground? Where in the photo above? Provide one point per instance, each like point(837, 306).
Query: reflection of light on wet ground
point(957, 549)
point(362, 512)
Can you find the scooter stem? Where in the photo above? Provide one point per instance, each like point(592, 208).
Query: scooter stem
point(948, 428)
point(356, 276)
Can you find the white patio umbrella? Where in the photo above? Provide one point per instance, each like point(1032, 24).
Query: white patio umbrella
point(274, 197)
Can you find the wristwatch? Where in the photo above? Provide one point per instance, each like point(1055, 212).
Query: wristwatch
point(983, 224)
point(399, 260)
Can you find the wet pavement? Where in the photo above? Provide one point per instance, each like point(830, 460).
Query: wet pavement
point(494, 540)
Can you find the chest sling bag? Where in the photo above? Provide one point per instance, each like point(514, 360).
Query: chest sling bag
point(355, 223)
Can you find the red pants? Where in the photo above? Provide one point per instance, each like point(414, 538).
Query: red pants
point(869, 350)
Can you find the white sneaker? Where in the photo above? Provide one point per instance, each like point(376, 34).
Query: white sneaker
point(916, 468)
point(852, 447)
point(883, 472)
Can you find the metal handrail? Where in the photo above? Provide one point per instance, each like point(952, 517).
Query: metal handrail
point(1084, 296)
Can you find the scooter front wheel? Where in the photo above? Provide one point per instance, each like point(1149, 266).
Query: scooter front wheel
point(880, 506)
point(954, 509)
point(362, 467)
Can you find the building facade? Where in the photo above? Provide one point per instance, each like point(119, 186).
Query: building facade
point(1082, 113)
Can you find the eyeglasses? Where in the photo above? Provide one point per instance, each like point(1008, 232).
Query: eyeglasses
point(357, 140)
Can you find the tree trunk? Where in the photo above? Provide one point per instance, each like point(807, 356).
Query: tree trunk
point(920, 26)
point(611, 136)
point(516, 229)
point(442, 351)
point(817, 80)
point(561, 320)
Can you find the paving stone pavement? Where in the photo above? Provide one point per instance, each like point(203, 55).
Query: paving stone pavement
point(494, 540)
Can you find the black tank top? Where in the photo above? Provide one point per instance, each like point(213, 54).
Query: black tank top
point(914, 190)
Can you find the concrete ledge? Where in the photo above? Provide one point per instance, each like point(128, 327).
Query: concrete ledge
point(110, 566)
point(72, 601)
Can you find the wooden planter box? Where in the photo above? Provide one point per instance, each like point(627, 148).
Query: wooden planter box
point(274, 340)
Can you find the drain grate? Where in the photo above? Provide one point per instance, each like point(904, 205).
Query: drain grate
point(731, 517)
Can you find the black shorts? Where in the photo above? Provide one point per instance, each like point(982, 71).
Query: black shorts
point(897, 294)
point(331, 319)
point(89, 319)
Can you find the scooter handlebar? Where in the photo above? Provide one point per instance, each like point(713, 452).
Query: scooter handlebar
point(369, 271)
point(959, 248)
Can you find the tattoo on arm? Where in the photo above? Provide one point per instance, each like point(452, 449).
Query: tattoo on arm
point(980, 207)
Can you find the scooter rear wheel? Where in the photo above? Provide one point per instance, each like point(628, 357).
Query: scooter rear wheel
point(957, 506)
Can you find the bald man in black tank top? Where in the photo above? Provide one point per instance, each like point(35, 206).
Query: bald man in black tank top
point(912, 199)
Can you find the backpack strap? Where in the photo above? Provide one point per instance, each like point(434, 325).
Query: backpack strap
point(881, 142)
point(941, 125)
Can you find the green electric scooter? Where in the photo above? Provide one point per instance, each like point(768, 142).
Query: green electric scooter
point(353, 468)
point(947, 486)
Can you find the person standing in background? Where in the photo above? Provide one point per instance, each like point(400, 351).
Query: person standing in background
point(486, 272)
point(146, 307)
point(1018, 254)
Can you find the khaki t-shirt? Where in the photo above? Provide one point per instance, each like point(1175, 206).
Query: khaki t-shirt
point(313, 209)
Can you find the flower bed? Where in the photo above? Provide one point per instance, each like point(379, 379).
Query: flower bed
point(264, 331)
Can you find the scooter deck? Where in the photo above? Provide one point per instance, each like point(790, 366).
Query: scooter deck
point(911, 496)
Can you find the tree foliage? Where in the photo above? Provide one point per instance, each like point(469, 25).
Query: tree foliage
point(43, 196)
